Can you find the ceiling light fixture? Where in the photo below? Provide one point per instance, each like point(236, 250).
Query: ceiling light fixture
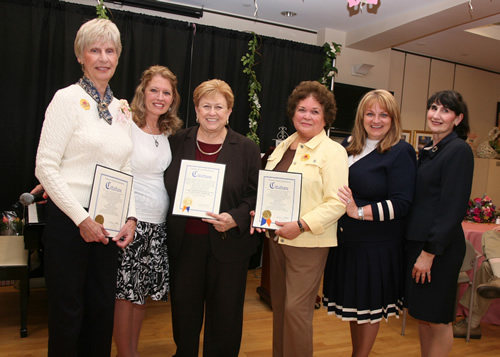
point(288, 13)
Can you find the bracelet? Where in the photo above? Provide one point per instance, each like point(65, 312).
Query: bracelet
point(301, 227)
point(132, 219)
point(361, 214)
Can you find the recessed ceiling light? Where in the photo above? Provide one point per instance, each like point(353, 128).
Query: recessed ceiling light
point(288, 13)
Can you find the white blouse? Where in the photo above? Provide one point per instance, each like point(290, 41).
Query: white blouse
point(148, 165)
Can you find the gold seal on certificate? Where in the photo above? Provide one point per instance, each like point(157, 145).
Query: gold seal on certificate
point(186, 204)
point(199, 188)
point(110, 198)
point(278, 198)
point(266, 217)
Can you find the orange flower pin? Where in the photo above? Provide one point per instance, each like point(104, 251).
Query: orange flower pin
point(305, 157)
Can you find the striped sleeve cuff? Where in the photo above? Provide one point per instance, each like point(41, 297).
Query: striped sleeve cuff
point(383, 211)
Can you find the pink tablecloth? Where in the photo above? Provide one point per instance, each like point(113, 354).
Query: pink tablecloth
point(473, 232)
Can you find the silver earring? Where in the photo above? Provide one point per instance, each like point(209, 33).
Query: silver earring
point(197, 120)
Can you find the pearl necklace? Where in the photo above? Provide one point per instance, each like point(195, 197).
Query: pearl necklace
point(154, 137)
point(208, 153)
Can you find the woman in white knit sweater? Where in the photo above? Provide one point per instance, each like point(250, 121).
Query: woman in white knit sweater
point(84, 126)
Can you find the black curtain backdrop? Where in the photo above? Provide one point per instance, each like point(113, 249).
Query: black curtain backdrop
point(38, 59)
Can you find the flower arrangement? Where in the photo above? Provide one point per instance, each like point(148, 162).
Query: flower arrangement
point(329, 69)
point(489, 149)
point(481, 210)
point(10, 224)
point(254, 87)
point(494, 139)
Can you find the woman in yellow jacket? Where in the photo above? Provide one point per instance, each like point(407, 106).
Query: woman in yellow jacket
point(299, 249)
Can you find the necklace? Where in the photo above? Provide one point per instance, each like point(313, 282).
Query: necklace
point(208, 153)
point(154, 137)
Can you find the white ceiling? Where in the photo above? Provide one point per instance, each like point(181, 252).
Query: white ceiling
point(436, 28)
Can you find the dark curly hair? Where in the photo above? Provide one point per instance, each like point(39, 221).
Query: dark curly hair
point(320, 93)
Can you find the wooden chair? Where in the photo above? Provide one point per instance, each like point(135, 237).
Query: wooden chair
point(469, 264)
point(14, 265)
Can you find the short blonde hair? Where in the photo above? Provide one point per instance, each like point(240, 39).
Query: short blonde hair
point(387, 102)
point(214, 86)
point(168, 122)
point(94, 31)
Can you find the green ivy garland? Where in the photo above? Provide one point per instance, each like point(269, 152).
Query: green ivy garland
point(329, 69)
point(101, 10)
point(254, 87)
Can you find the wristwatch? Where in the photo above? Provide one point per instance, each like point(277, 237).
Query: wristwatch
point(301, 227)
point(361, 214)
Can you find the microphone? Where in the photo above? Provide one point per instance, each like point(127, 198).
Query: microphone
point(27, 198)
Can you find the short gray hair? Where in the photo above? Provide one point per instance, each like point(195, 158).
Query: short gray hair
point(94, 31)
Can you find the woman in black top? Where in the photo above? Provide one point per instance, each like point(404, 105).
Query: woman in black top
point(435, 239)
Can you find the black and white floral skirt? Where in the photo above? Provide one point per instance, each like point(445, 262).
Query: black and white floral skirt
point(143, 265)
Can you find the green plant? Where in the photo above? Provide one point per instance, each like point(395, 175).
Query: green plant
point(101, 10)
point(254, 87)
point(329, 69)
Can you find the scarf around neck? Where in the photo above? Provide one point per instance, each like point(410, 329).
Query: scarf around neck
point(102, 105)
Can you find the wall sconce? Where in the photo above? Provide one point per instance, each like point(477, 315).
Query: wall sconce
point(361, 70)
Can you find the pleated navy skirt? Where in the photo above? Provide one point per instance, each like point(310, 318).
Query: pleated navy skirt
point(363, 281)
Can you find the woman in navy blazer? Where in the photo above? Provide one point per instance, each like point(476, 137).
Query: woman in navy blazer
point(209, 257)
point(435, 239)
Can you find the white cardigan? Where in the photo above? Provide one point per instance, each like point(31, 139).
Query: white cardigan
point(73, 140)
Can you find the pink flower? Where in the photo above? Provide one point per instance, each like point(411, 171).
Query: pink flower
point(124, 113)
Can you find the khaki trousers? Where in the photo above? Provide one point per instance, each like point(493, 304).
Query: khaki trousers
point(486, 273)
point(295, 278)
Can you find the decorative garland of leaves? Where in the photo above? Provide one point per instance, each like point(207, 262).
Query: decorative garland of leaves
point(254, 87)
point(329, 69)
point(101, 10)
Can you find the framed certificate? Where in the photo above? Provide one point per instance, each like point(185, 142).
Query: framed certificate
point(278, 198)
point(199, 188)
point(110, 197)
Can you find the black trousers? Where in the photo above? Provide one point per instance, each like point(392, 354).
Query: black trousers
point(202, 287)
point(81, 285)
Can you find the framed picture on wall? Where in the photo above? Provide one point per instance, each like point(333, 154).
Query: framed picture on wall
point(420, 139)
point(406, 136)
point(498, 114)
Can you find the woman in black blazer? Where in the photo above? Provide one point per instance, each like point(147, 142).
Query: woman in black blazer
point(209, 257)
point(435, 239)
